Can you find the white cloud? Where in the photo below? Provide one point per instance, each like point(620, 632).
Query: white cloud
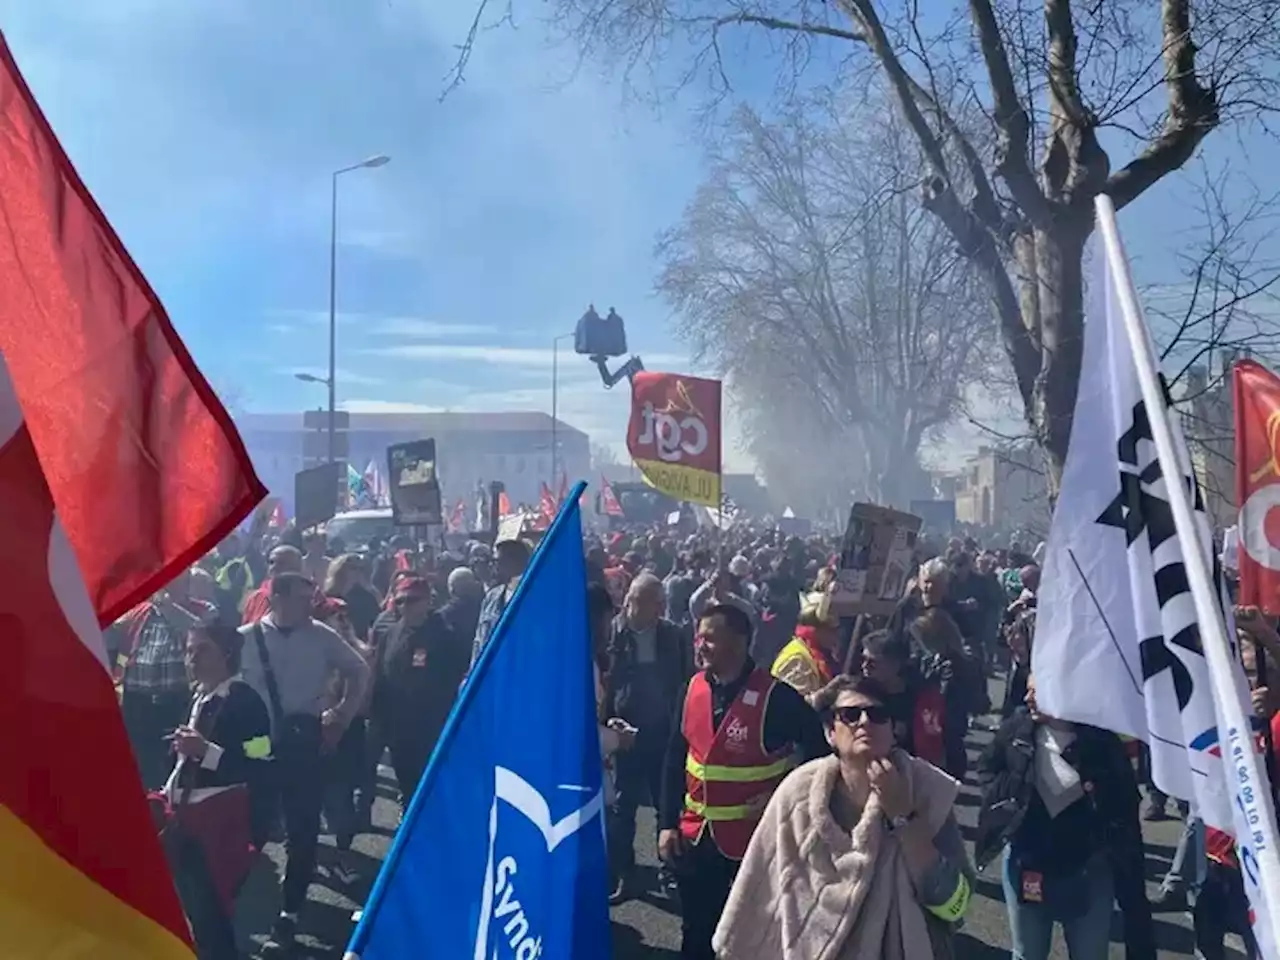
point(511, 356)
point(386, 406)
point(418, 328)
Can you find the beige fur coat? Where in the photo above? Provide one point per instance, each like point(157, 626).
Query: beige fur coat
point(810, 890)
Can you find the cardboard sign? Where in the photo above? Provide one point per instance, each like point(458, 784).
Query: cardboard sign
point(877, 557)
point(315, 493)
point(415, 489)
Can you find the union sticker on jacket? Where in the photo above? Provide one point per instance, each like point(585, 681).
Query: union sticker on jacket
point(750, 697)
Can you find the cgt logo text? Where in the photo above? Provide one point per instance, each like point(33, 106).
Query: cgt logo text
point(508, 923)
point(674, 433)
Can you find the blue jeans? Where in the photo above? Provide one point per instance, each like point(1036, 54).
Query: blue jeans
point(1031, 924)
point(1187, 870)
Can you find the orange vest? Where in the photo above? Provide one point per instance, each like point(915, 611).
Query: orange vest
point(729, 776)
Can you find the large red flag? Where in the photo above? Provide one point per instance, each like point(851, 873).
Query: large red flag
point(143, 463)
point(1257, 420)
point(81, 870)
point(674, 435)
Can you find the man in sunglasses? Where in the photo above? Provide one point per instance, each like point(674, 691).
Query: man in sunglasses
point(734, 738)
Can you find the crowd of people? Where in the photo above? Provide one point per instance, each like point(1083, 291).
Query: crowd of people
point(803, 766)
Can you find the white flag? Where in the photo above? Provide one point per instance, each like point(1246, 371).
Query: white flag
point(1117, 641)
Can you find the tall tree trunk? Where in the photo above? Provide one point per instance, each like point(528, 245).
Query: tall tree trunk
point(1049, 282)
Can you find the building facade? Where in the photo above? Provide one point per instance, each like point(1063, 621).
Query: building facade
point(1004, 488)
point(471, 449)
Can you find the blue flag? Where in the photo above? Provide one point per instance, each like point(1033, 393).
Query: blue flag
point(502, 850)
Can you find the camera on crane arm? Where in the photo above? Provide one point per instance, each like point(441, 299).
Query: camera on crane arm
point(601, 338)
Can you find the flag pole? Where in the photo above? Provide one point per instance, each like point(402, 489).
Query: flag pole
point(1257, 853)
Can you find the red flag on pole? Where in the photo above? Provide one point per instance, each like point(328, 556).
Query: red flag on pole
point(143, 463)
point(81, 872)
point(608, 500)
point(564, 489)
point(1257, 421)
point(546, 504)
point(458, 519)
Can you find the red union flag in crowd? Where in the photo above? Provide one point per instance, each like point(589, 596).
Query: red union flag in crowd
point(674, 435)
point(81, 869)
point(118, 468)
point(1257, 413)
point(144, 465)
point(608, 499)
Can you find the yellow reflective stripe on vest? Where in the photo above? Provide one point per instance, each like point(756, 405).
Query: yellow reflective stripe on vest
point(743, 811)
point(719, 774)
point(954, 908)
point(259, 748)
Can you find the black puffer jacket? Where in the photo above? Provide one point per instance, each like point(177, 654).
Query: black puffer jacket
point(1106, 818)
point(1006, 777)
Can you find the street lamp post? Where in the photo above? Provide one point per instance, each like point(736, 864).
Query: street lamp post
point(375, 161)
point(555, 398)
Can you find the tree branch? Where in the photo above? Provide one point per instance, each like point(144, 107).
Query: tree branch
point(1192, 111)
point(773, 23)
point(1013, 159)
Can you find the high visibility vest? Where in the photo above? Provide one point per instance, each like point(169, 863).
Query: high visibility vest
point(814, 670)
point(729, 775)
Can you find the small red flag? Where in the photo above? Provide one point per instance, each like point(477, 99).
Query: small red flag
point(546, 504)
point(504, 505)
point(1257, 421)
point(458, 519)
point(608, 499)
point(143, 463)
point(564, 488)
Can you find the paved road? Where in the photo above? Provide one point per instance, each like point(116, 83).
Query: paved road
point(649, 928)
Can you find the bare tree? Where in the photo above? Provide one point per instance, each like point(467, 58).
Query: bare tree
point(603, 455)
point(1050, 77)
point(805, 269)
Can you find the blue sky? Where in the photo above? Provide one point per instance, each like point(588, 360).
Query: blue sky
point(208, 130)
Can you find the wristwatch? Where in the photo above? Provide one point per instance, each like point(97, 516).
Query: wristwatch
point(900, 821)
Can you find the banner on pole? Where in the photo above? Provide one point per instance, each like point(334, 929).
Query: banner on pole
point(415, 489)
point(674, 435)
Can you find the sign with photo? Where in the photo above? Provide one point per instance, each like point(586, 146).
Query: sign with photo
point(415, 488)
point(877, 557)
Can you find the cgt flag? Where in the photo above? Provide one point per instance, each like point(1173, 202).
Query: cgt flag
point(1257, 420)
point(502, 850)
point(674, 435)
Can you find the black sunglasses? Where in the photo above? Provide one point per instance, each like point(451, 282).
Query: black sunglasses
point(851, 716)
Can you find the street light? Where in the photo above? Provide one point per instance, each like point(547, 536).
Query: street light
point(312, 378)
point(379, 160)
point(555, 398)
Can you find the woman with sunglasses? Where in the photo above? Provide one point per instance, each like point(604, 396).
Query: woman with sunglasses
point(858, 854)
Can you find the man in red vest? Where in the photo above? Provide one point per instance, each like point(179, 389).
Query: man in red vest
point(736, 737)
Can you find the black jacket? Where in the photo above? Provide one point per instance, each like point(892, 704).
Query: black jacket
point(238, 724)
point(674, 667)
point(1006, 777)
point(462, 614)
point(417, 673)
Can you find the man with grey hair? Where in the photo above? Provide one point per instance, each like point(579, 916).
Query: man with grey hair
point(649, 663)
point(462, 610)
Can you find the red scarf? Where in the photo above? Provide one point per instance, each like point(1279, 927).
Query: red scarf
point(821, 658)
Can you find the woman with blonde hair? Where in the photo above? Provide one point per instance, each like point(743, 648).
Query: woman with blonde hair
point(858, 856)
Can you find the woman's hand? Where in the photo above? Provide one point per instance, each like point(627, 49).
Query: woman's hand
point(189, 743)
point(891, 787)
